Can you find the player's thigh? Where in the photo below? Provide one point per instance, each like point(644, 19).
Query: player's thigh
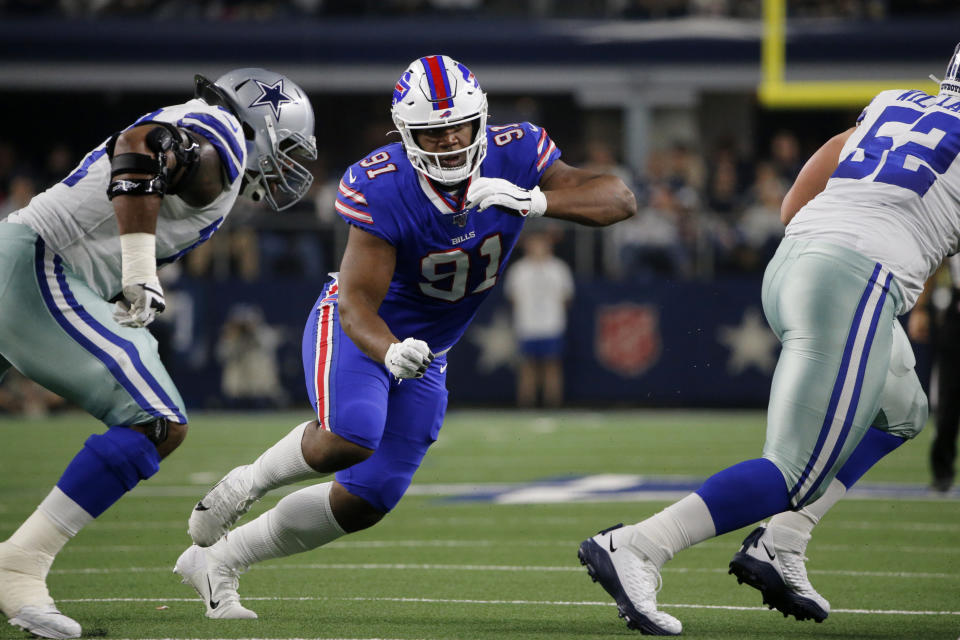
point(347, 389)
point(836, 329)
point(58, 332)
point(415, 415)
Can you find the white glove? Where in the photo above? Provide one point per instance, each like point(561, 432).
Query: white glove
point(487, 192)
point(408, 359)
point(140, 303)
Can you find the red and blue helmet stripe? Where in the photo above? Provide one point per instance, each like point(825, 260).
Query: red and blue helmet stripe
point(440, 90)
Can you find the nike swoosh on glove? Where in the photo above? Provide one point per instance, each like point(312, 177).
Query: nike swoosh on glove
point(408, 359)
point(488, 192)
point(140, 304)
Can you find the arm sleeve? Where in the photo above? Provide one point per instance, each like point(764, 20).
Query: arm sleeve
point(224, 132)
point(359, 205)
point(528, 155)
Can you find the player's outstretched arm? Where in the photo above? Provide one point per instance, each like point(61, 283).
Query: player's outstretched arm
point(584, 197)
point(365, 274)
point(567, 193)
point(813, 176)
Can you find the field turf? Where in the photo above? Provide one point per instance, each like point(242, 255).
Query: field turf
point(472, 553)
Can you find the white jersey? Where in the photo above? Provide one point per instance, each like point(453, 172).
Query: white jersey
point(539, 290)
point(77, 221)
point(895, 196)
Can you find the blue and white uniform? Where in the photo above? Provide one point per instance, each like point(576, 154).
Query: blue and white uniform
point(61, 259)
point(447, 263)
point(854, 258)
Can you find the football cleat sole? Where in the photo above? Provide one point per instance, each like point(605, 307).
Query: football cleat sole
point(768, 582)
point(601, 570)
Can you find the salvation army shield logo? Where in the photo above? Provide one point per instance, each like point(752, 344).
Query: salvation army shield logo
point(627, 339)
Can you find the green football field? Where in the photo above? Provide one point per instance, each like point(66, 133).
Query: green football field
point(484, 545)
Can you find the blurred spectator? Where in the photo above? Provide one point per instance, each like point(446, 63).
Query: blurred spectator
point(21, 189)
point(25, 397)
point(785, 155)
point(725, 180)
point(656, 241)
point(684, 168)
point(746, 245)
point(58, 163)
point(936, 319)
point(540, 286)
point(759, 226)
point(8, 166)
point(247, 350)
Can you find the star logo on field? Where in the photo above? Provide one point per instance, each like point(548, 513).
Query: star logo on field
point(751, 344)
point(272, 95)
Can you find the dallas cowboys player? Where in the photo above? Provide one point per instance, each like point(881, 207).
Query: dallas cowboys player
point(871, 216)
point(433, 219)
point(143, 198)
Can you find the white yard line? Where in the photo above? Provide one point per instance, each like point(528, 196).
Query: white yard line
point(555, 603)
point(483, 544)
point(370, 566)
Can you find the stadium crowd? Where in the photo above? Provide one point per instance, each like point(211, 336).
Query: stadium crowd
point(625, 9)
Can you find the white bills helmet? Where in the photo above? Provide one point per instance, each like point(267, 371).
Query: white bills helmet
point(277, 121)
point(437, 91)
point(951, 77)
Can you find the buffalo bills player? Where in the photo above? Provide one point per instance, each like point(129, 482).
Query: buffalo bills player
point(433, 219)
point(870, 217)
point(143, 198)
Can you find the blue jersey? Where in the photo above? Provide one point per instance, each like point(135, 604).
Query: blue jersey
point(448, 260)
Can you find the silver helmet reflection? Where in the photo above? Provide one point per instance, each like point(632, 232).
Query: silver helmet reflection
point(278, 123)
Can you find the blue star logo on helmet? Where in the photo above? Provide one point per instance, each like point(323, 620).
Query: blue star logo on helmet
point(272, 95)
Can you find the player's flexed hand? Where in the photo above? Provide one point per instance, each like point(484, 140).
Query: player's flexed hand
point(408, 359)
point(487, 192)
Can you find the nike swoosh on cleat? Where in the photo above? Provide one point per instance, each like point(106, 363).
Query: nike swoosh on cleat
point(200, 507)
point(770, 555)
point(213, 605)
point(612, 548)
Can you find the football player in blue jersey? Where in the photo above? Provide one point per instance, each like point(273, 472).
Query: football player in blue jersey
point(145, 197)
point(433, 219)
point(869, 219)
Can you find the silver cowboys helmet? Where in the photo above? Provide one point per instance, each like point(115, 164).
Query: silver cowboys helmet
point(277, 121)
point(437, 91)
point(951, 78)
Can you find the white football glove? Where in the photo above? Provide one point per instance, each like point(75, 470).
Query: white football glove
point(487, 192)
point(140, 304)
point(408, 359)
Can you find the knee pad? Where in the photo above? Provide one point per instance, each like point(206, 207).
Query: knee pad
point(127, 454)
point(156, 430)
point(910, 419)
point(903, 407)
point(902, 359)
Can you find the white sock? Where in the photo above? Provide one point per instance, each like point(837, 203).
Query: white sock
point(283, 463)
point(301, 521)
point(681, 525)
point(34, 545)
point(64, 512)
point(804, 520)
